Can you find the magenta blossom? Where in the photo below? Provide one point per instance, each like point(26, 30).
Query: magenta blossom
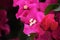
point(29, 18)
point(44, 5)
point(33, 25)
point(3, 19)
point(25, 6)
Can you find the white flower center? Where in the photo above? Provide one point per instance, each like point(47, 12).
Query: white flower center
point(25, 6)
point(32, 21)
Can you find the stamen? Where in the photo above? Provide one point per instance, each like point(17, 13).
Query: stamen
point(34, 21)
point(31, 24)
point(31, 20)
point(25, 6)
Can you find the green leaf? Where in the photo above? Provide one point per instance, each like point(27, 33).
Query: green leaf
point(32, 36)
point(51, 7)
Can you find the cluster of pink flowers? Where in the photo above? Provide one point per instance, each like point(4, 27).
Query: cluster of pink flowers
point(3, 22)
point(31, 13)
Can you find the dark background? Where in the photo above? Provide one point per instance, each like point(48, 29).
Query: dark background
point(16, 26)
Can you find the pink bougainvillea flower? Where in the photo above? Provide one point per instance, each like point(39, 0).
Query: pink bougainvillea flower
point(33, 25)
point(49, 22)
point(3, 19)
point(44, 5)
point(24, 7)
point(29, 16)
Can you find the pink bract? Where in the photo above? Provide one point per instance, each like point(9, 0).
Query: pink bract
point(35, 28)
point(30, 13)
point(27, 15)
